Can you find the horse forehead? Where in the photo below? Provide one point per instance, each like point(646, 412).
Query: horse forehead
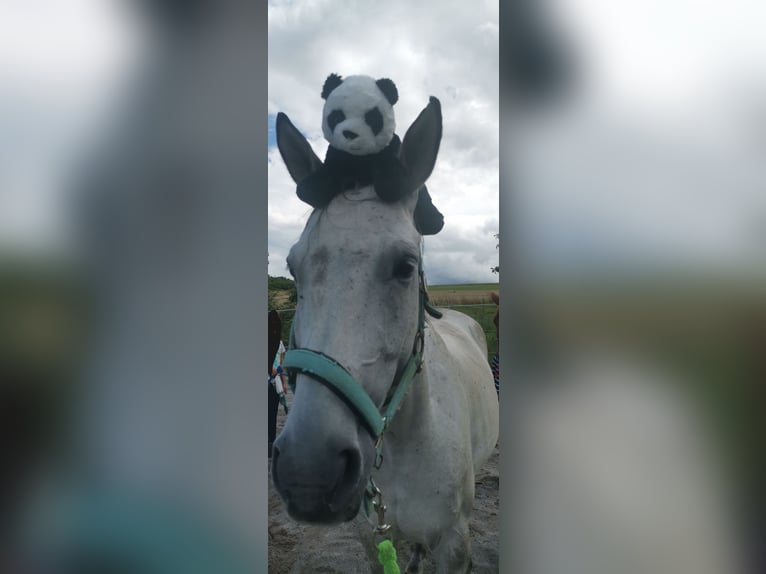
point(363, 210)
point(367, 227)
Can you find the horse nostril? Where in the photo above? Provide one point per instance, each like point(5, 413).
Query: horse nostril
point(348, 476)
point(349, 135)
point(353, 465)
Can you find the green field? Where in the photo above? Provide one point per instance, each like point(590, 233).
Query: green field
point(466, 287)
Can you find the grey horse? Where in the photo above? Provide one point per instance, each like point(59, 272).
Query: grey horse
point(358, 266)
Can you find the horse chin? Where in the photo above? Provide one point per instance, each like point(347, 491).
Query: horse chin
point(312, 508)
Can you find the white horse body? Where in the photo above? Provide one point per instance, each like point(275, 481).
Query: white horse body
point(443, 434)
point(356, 267)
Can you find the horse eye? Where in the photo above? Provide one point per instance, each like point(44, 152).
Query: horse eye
point(404, 269)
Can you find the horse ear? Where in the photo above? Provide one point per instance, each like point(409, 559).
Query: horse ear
point(300, 159)
point(420, 145)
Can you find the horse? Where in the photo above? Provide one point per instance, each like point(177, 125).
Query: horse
point(364, 336)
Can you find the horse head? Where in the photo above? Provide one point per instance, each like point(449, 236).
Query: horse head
point(357, 269)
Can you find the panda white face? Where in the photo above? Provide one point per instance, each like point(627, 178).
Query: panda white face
point(358, 115)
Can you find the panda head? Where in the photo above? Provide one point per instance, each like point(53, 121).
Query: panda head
point(358, 115)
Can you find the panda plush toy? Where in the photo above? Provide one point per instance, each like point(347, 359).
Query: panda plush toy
point(358, 115)
point(358, 122)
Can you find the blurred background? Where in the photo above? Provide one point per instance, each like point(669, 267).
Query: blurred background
point(132, 286)
point(632, 224)
point(633, 221)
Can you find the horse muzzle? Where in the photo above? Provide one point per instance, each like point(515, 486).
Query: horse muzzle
point(323, 487)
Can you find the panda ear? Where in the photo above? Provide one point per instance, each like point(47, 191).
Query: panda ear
point(389, 90)
point(332, 82)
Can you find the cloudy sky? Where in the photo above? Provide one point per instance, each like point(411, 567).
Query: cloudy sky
point(448, 49)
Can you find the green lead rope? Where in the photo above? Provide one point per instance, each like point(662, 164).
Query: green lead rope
point(387, 557)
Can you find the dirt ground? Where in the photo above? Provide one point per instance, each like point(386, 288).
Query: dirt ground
point(300, 549)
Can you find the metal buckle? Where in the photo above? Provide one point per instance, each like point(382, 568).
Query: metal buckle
point(380, 509)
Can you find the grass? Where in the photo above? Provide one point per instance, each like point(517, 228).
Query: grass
point(464, 294)
point(466, 287)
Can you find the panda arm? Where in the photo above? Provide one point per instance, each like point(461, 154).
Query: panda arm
point(390, 177)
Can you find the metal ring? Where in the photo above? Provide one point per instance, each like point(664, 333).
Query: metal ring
point(419, 343)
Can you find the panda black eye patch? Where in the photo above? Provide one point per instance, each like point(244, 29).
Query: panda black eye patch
point(335, 117)
point(374, 119)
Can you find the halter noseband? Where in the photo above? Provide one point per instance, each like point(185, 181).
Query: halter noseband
point(332, 374)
